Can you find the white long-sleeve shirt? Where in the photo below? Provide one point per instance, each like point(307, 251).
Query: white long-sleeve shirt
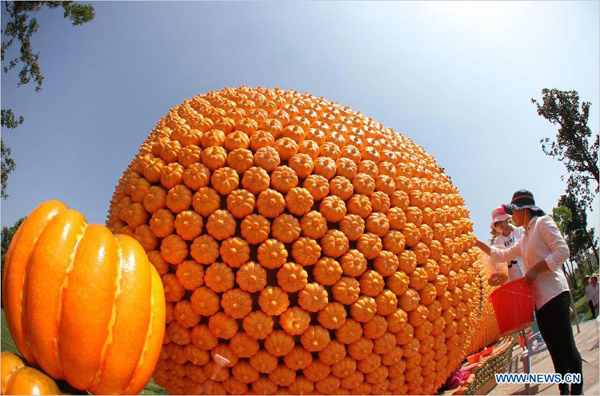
point(541, 241)
point(516, 268)
point(591, 291)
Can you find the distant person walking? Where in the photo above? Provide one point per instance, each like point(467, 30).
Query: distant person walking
point(592, 294)
point(544, 250)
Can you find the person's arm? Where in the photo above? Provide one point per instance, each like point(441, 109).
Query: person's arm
point(533, 272)
point(501, 255)
point(483, 246)
point(552, 237)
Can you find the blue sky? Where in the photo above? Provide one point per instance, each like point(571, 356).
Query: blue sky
point(457, 78)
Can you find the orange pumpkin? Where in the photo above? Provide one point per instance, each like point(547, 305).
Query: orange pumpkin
point(205, 249)
point(298, 201)
point(334, 243)
point(327, 271)
point(317, 185)
point(55, 241)
point(273, 300)
point(341, 187)
point(333, 208)
point(225, 180)
point(258, 325)
point(306, 251)
point(221, 224)
point(263, 362)
point(256, 180)
point(292, 277)
point(270, 203)
point(10, 364)
point(188, 225)
point(18, 379)
point(251, 277)
point(272, 254)
point(266, 157)
point(302, 164)
point(158, 262)
point(206, 201)
point(286, 228)
point(171, 175)
point(316, 370)
point(179, 198)
point(315, 338)
point(196, 176)
point(283, 179)
point(190, 274)
point(349, 332)
point(219, 277)
point(298, 359)
point(313, 297)
point(313, 225)
point(236, 303)
point(243, 345)
point(255, 228)
point(241, 203)
point(352, 226)
point(235, 251)
point(346, 290)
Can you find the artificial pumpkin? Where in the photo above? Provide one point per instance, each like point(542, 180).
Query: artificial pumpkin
point(20, 379)
point(82, 304)
point(307, 207)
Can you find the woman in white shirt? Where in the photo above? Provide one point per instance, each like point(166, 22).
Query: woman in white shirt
point(543, 250)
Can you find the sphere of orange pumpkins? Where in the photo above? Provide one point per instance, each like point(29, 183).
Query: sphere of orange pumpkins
point(337, 256)
point(82, 304)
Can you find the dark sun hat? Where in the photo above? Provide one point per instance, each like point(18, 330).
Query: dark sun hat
point(523, 199)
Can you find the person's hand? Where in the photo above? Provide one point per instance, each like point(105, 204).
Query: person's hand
point(483, 246)
point(529, 276)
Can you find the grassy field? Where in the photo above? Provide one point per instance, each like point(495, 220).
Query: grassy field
point(581, 305)
point(9, 345)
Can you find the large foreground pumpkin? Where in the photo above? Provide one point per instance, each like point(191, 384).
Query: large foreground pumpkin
point(303, 248)
point(82, 304)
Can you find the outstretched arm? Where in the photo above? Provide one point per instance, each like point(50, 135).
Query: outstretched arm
point(500, 255)
point(483, 246)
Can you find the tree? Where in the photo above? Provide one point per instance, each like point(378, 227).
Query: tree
point(20, 27)
point(580, 240)
point(573, 145)
point(7, 235)
point(562, 216)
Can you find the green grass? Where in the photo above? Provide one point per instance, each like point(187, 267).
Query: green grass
point(7, 341)
point(9, 345)
point(582, 306)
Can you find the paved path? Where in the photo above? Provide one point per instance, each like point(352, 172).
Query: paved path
point(587, 343)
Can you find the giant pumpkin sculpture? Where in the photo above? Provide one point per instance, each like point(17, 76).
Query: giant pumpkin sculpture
point(82, 304)
point(303, 248)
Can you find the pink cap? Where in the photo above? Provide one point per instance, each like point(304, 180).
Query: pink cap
point(499, 214)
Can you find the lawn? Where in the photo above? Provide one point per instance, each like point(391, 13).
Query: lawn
point(581, 305)
point(9, 345)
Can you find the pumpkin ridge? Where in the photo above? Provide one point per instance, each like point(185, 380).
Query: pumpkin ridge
point(145, 348)
point(27, 269)
point(111, 323)
point(61, 293)
point(28, 354)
